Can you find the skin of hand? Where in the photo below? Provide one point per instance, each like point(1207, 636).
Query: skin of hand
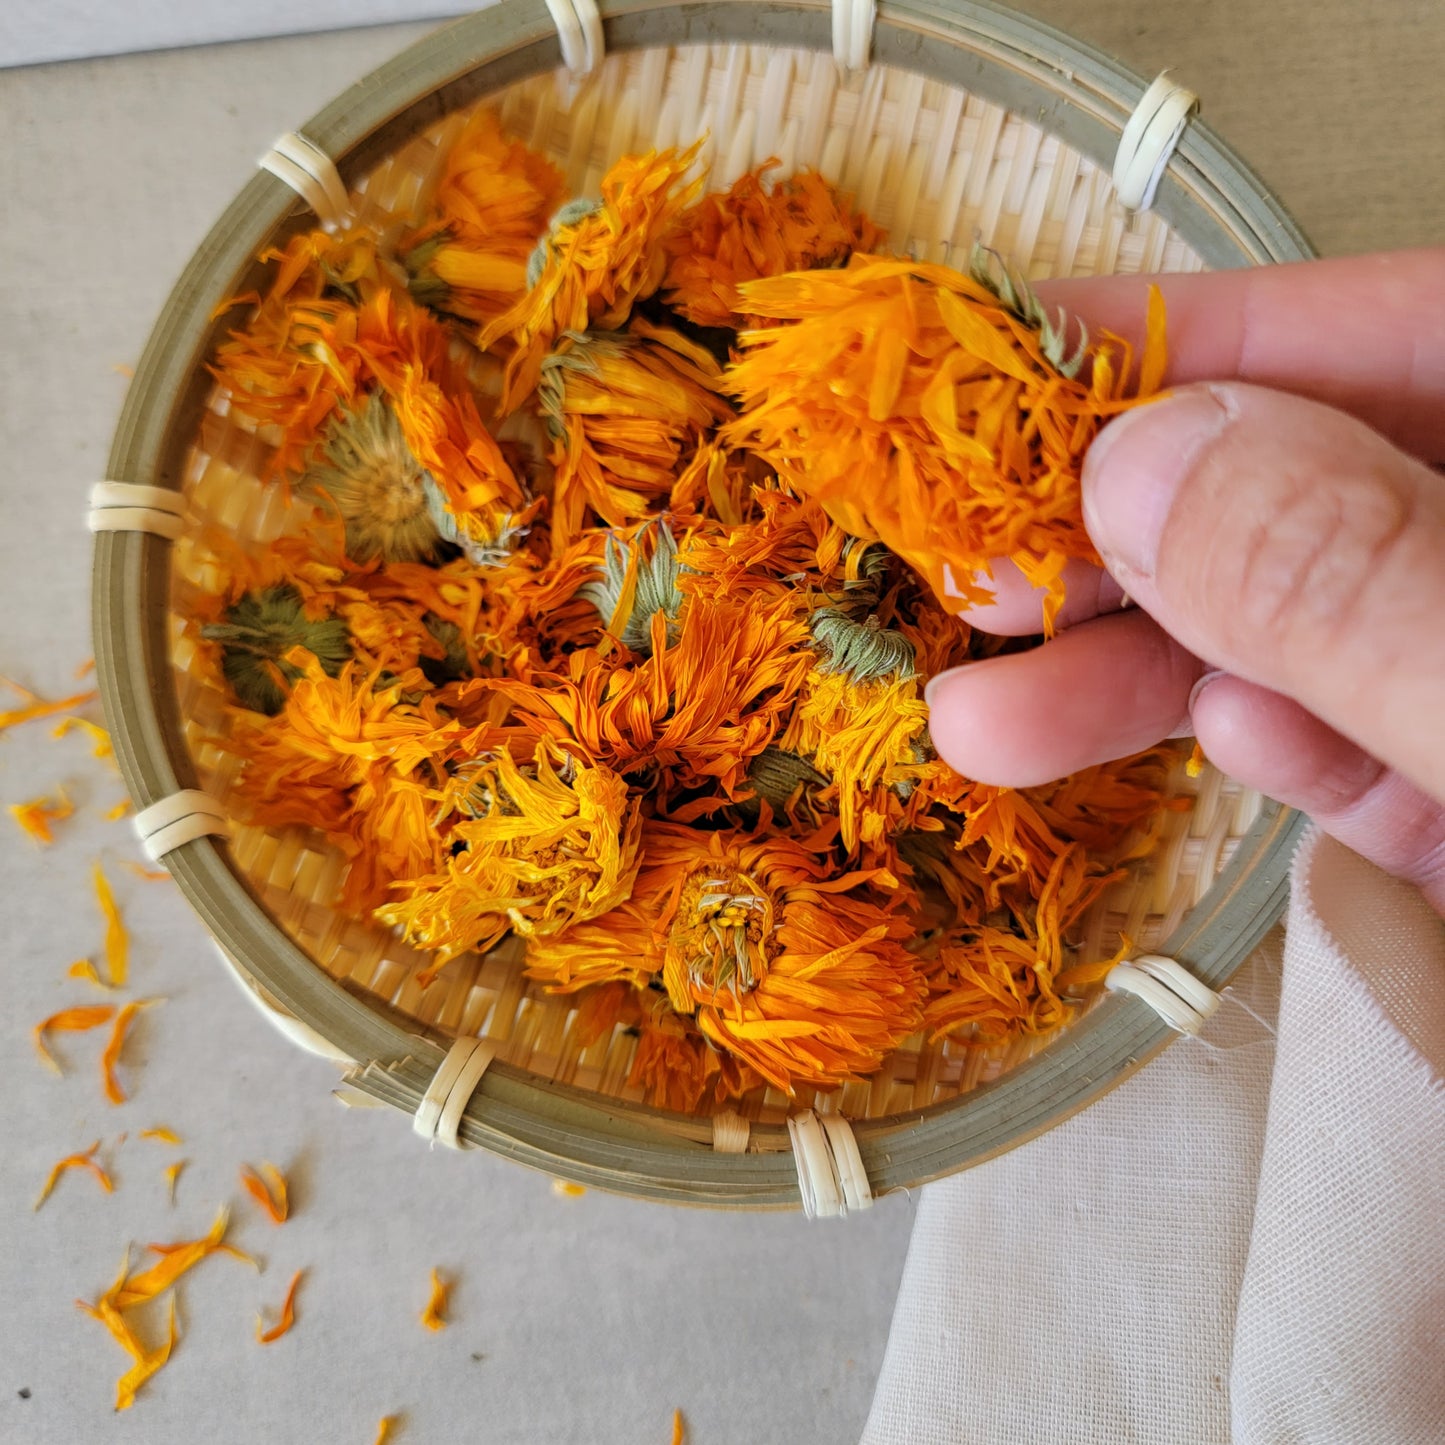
point(1279, 521)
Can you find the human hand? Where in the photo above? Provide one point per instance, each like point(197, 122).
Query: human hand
point(1278, 522)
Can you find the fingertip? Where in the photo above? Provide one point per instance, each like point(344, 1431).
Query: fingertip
point(1108, 688)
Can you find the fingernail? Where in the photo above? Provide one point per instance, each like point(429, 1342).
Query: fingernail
point(930, 688)
point(1197, 691)
point(1133, 471)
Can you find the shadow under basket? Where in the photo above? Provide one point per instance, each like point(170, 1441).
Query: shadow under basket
point(967, 121)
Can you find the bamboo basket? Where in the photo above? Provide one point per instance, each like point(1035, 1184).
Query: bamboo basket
point(968, 121)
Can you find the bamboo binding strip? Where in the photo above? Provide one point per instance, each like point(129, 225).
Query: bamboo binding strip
point(940, 139)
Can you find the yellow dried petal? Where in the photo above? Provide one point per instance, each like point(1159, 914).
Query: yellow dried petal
point(117, 941)
point(434, 1315)
point(36, 816)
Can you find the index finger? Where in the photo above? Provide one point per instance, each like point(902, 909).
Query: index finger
point(1365, 334)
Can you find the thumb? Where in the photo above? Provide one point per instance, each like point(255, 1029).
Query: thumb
point(1292, 546)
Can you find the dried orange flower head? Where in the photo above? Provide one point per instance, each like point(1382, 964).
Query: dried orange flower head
point(597, 259)
point(533, 849)
point(788, 965)
point(275, 373)
point(624, 411)
point(490, 206)
point(752, 230)
point(926, 411)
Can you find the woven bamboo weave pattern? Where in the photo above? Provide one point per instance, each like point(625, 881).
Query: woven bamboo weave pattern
point(936, 167)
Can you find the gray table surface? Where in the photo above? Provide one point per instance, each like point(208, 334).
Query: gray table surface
point(575, 1319)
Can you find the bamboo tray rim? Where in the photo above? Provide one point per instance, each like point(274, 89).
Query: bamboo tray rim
point(1068, 89)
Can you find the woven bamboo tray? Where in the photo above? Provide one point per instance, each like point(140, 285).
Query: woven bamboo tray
point(969, 121)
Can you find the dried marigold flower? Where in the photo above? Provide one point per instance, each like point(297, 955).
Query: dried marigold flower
point(790, 968)
point(870, 739)
point(750, 231)
point(365, 470)
point(341, 757)
point(476, 499)
point(676, 1066)
point(533, 849)
point(491, 204)
point(258, 633)
point(922, 410)
point(623, 409)
point(989, 985)
point(697, 709)
point(596, 261)
point(276, 374)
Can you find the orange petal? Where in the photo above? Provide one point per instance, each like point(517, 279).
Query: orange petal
point(288, 1314)
point(269, 1193)
point(147, 1365)
point(85, 1160)
point(36, 816)
point(116, 1043)
point(83, 968)
point(39, 709)
point(175, 1260)
point(69, 1020)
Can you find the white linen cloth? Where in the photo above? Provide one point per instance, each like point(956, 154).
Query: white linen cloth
point(1244, 1243)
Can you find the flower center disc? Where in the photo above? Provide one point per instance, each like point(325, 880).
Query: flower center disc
point(718, 940)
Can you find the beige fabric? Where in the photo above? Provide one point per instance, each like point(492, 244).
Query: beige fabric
point(1242, 1244)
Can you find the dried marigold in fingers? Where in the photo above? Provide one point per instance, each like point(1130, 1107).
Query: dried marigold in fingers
point(752, 230)
point(793, 969)
point(597, 259)
point(923, 410)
